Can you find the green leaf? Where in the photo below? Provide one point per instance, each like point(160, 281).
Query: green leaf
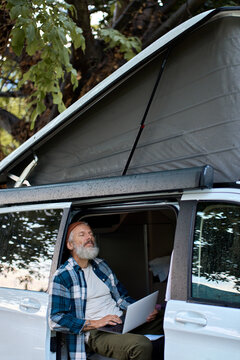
point(26, 11)
point(128, 46)
point(78, 39)
point(30, 33)
point(18, 38)
point(59, 72)
point(37, 111)
point(33, 47)
point(57, 98)
point(15, 12)
point(61, 35)
point(64, 56)
point(61, 107)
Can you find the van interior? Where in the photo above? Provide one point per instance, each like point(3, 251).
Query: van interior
point(137, 245)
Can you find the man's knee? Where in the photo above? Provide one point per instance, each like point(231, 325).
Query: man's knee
point(141, 349)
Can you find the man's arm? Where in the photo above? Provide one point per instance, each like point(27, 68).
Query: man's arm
point(60, 316)
point(62, 320)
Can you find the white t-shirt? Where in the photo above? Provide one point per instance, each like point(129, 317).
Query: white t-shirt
point(99, 300)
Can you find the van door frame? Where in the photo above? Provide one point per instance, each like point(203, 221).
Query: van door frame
point(181, 261)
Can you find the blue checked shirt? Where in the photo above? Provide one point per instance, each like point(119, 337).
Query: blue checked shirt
point(68, 297)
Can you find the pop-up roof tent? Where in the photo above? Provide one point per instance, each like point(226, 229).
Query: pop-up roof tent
point(175, 105)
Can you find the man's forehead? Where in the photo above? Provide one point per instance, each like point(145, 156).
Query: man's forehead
point(82, 227)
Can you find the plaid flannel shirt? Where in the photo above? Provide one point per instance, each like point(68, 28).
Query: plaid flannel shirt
point(68, 296)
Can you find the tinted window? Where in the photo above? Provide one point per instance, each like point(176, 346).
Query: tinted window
point(27, 242)
point(216, 254)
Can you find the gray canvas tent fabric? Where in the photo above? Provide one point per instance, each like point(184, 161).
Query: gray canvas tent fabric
point(98, 143)
point(194, 118)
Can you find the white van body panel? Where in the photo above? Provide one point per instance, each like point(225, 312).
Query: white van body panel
point(205, 332)
point(28, 308)
point(202, 332)
point(24, 331)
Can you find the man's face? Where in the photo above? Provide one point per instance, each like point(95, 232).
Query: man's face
point(82, 242)
point(82, 235)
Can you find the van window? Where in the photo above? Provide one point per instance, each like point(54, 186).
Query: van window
point(27, 242)
point(216, 254)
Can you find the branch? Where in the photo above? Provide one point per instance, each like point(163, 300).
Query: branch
point(183, 13)
point(127, 14)
point(167, 6)
point(7, 120)
point(6, 79)
point(14, 94)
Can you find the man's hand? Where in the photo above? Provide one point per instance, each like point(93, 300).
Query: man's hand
point(152, 316)
point(106, 320)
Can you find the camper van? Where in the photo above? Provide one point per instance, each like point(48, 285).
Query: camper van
point(149, 158)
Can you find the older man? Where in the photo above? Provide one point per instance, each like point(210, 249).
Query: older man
point(85, 296)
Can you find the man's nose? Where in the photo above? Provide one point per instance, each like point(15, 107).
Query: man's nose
point(90, 238)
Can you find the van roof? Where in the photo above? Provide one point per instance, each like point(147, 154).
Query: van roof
point(17, 161)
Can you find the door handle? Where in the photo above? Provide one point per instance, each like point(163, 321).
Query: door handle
point(30, 304)
point(195, 319)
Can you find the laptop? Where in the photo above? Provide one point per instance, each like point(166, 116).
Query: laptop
point(136, 315)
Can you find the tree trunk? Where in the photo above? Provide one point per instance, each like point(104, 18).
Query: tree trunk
point(183, 13)
point(88, 58)
point(6, 25)
point(85, 62)
point(123, 20)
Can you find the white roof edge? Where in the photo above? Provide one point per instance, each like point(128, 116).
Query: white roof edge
point(151, 49)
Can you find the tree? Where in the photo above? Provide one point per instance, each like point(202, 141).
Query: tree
point(51, 54)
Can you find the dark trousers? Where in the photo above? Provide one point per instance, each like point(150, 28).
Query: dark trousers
point(130, 346)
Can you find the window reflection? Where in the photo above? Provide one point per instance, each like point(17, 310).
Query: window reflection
point(216, 253)
point(27, 244)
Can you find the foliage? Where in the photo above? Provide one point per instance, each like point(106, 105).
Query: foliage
point(44, 27)
point(16, 106)
point(129, 46)
point(10, 73)
point(8, 144)
point(45, 31)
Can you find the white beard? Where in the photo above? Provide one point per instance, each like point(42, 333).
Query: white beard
point(88, 253)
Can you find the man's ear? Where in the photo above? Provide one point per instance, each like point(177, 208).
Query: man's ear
point(69, 245)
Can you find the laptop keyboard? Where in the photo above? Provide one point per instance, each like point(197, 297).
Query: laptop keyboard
point(118, 328)
point(114, 328)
